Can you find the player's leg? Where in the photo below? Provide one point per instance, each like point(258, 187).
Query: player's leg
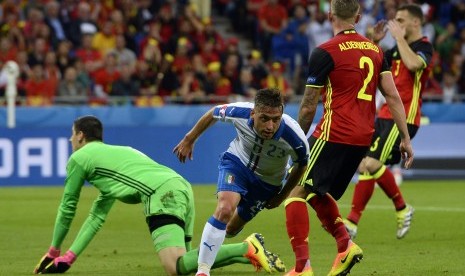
point(214, 231)
point(169, 244)
point(365, 185)
point(230, 187)
point(349, 253)
point(297, 220)
point(228, 254)
point(235, 225)
point(362, 193)
point(298, 226)
point(175, 259)
point(333, 169)
point(250, 205)
point(168, 211)
point(404, 212)
point(383, 140)
point(390, 154)
point(386, 181)
point(385, 148)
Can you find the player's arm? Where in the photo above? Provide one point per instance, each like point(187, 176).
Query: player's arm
point(299, 167)
point(75, 177)
point(379, 31)
point(410, 59)
point(389, 91)
point(300, 156)
point(66, 212)
point(91, 226)
point(320, 65)
point(97, 216)
point(184, 149)
point(294, 177)
point(308, 107)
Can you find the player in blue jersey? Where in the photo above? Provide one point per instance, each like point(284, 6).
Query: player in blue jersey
point(252, 169)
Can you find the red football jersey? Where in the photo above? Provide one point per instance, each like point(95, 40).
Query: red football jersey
point(409, 84)
point(348, 66)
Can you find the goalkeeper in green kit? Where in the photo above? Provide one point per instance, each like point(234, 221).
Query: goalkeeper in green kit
point(125, 174)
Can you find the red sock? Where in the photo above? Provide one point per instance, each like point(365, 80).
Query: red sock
point(387, 182)
point(328, 213)
point(298, 226)
point(362, 194)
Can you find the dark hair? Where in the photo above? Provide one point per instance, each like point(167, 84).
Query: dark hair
point(414, 10)
point(345, 9)
point(269, 97)
point(90, 126)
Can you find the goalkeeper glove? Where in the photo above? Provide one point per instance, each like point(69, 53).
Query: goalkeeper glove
point(46, 259)
point(60, 264)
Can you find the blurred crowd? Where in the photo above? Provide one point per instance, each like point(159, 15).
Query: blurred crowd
point(288, 31)
point(148, 53)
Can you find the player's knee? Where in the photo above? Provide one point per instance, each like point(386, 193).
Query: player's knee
point(171, 259)
point(362, 167)
point(372, 165)
point(298, 192)
point(224, 212)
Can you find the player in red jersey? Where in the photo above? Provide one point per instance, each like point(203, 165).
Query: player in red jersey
point(410, 66)
point(346, 70)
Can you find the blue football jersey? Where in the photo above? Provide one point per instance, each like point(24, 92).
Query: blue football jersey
point(267, 158)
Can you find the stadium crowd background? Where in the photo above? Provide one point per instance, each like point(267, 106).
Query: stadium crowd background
point(151, 53)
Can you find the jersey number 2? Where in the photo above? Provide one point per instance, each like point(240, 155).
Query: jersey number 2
point(366, 61)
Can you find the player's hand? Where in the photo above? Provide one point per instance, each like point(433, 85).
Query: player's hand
point(396, 30)
point(184, 150)
point(60, 264)
point(406, 152)
point(47, 259)
point(379, 30)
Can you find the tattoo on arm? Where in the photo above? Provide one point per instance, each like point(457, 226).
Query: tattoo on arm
point(308, 108)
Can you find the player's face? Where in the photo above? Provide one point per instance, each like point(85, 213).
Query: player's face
point(267, 121)
point(76, 140)
point(405, 21)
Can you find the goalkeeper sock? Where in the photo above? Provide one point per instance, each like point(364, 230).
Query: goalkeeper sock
point(228, 254)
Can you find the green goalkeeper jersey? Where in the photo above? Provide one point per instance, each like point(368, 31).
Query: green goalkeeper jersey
point(119, 173)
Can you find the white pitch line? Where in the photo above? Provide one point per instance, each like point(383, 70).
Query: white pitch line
point(417, 208)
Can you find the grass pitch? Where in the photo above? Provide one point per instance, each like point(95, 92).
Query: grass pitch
point(434, 246)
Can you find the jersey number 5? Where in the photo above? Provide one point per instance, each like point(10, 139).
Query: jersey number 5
point(364, 62)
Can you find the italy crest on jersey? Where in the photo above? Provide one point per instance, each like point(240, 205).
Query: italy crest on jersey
point(229, 178)
point(222, 111)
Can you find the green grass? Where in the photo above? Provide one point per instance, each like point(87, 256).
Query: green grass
point(434, 246)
